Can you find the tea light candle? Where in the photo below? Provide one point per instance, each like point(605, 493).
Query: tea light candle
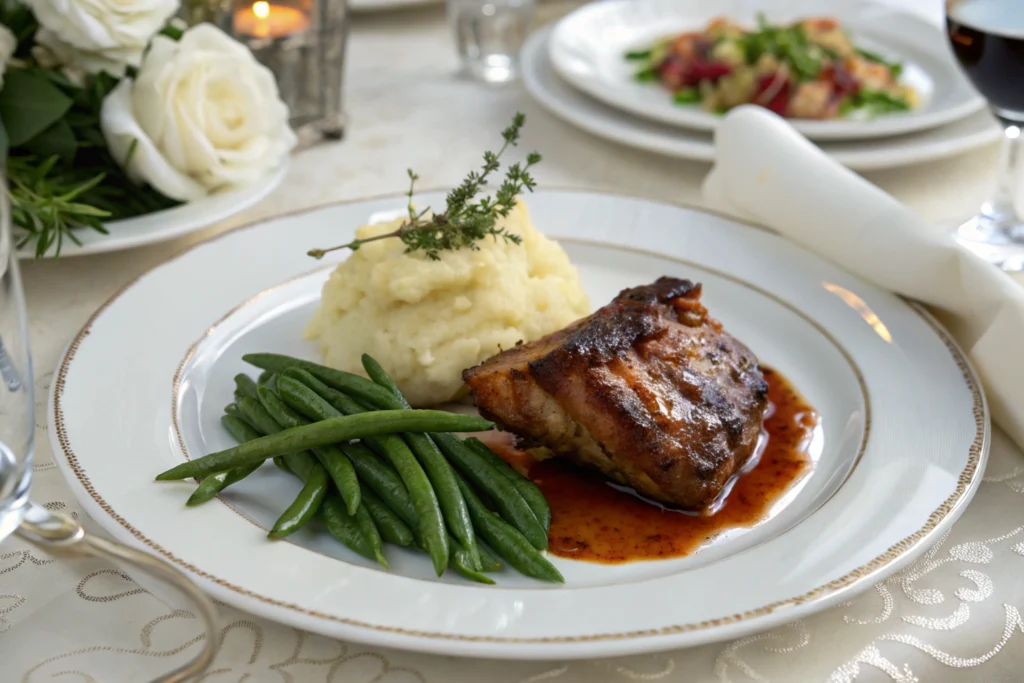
point(265, 20)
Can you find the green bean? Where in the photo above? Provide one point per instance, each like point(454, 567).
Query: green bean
point(265, 376)
point(488, 562)
point(343, 527)
point(462, 562)
point(430, 520)
point(239, 428)
point(370, 532)
point(507, 541)
point(214, 484)
point(389, 524)
point(265, 425)
point(309, 500)
point(232, 410)
point(381, 377)
point(326, 432)
point(510, 504)
point(441, 475)
point(382, 479)
point(279, 410)
point(350, 383)
point(530, 492)
point(256, 415)
point(337, 465)
point(244, 385)
point(340, 402)
point(268, 380)
point(428, 510)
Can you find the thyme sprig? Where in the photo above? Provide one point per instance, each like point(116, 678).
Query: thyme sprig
point(465, 220)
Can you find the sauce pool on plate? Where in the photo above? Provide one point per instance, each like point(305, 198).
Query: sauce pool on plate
point(596, 520)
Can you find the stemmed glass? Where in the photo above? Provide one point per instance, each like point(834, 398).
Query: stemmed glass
point(987, 37)
point(54, 532)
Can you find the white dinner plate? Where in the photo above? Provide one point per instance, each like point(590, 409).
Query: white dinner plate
point(599, 119)
point(899, 452)
point(169, 223)
point(587, 49)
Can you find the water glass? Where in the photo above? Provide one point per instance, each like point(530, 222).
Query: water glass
point(57, 533)
point(17, 423)
point(489, 34)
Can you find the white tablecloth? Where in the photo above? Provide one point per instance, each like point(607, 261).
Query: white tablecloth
point(954, 616)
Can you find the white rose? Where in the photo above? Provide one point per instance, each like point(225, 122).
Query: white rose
point(106, 34)
point(51, 52)
point(8, 43)
point(202, 114)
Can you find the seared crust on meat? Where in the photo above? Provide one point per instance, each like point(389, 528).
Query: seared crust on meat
point(649, 389)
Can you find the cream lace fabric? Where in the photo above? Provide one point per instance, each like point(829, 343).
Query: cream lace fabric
point(955, 616)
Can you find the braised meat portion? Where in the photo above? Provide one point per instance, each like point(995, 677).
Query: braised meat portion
point(649, 390)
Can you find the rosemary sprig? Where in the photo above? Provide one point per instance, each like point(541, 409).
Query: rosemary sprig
point(465, 220)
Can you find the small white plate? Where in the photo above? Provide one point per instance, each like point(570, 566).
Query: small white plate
point(903, 440)
point(587, 49)
point(574, 107)
point(169, 223)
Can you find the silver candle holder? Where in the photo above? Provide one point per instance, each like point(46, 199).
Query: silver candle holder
point(302, 42)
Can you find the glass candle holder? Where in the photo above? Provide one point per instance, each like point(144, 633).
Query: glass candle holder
point(303, 43)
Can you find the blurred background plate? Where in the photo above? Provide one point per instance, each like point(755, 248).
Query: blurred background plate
point(587, 49)
point(572, 106)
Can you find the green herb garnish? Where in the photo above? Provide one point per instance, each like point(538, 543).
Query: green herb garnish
point(646, 75)
point(636, 55)
point(60, 174)
point(686, 96)
point(895, 68)
point(873, 103)
point(465, 221)
point(787, 44)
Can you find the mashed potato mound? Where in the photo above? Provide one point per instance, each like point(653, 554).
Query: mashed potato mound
point(425, 321)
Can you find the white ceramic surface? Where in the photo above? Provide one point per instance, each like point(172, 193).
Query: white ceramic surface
point(587, 49)
point(903, 439)
point(599, 119)
point(170, 223)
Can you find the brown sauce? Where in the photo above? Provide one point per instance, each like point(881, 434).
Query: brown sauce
point(596, 520)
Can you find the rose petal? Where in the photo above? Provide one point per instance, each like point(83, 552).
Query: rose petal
point(121, 131)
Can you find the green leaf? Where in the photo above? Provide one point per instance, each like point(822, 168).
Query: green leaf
point(18, 18)
point(171, 31)
point(29, 105)
point(871, 56)
point(646, 75)
point(686, 96)
point(874, 103)
point(58, 140)
point(634, 55)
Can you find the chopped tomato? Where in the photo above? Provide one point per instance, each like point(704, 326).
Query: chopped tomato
point(706, 71)
point(773, 93)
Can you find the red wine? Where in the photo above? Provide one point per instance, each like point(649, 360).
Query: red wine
point(988, 39)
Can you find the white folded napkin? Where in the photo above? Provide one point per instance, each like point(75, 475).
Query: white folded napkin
point(768, 173)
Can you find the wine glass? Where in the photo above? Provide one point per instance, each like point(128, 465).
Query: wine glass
point(56, 533)
point(987, 37)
